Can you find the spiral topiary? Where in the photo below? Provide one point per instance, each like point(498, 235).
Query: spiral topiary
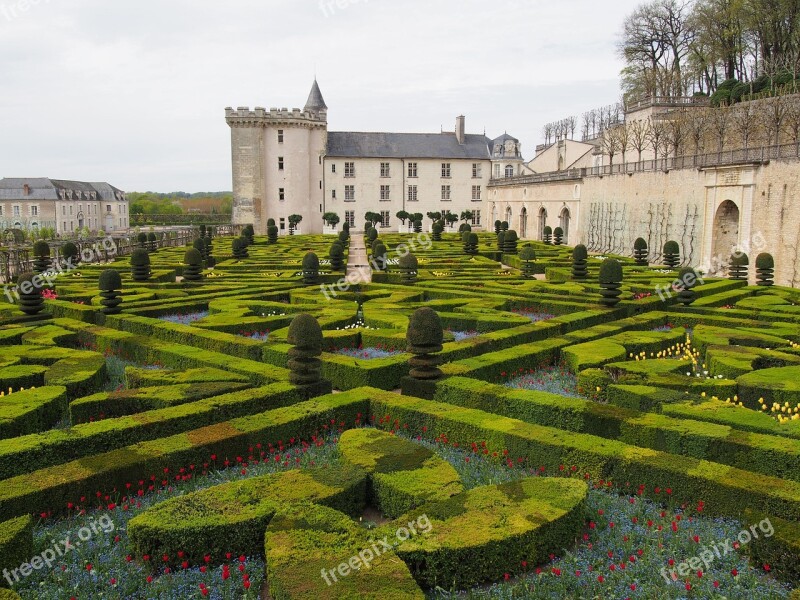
point(471, 243)
point(202, 231)
point(558, 236)
point(193, 269)
point(379, 256)
point(270, 222)
point(547, 234)
point(239, 247)
point(498, 225)
point(29, 286)
point(504, 226)
point(510, 242)
point(737, 267)
point(200, 245)
point(141, 239)
point(372, 235)
point(579, 261)
point(70, 254)
point(418, 226)
point(501, 240)
point(209, 250)
point(41, 257)
point(424, 338)
point(640, 252)
point(152, 241)
point(336, 255)
point(305, 336)
point(140, 265)
point(527, 256)
point(765, 269)
point(249, 234)
point(110, 284)
point(610, 282)
point(272, 234)
point(436, 231)
point(408, 265)
point(687, 279)
point(344, 236)
point(672, 254)
point(310, 268)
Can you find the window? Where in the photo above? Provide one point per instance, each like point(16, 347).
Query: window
point(16, 211)
point(385, 192)
point(476, 193)
point(333, 167)
point(445, 169)
point(497, 171)
point(476, 170)
point(281, 194)
point(108, 208)
point(509, 170)
point(333, 194)
point(280, 136)
point(412, 193)
point(1, 211)
point(349, 193)
point(446, 193)
point(349, 169)
point(283, 224)
point(280, 163)
point(384, 218)
point(350, 217)
point(34, 211)
point(64, 226)
point(476, 217)
point(412, 169)
point(385, 169)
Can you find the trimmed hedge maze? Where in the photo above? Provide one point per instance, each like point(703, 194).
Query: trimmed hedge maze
point(569, 446)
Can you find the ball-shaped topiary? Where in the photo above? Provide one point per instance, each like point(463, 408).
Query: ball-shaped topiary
point(270, 222)
point(372, 235)
point(41, 254)
point(501, 240)
point(436, 231)
point(29, 286)
point(510, 242)
point(498, 226)
point(471, 244)
point(344, 236)
point(140, 265)
point(408, 265)
point(424, 338)
point(200, 245)
point(152, 241)
point(310, 268)
point(672, 254)
point(193, 269)
point(737, 267)
point(687, 279)
point(239, 248)
point(579, 263)
point(336, 255)
point(141, 239)
point(465, 227)
point(610, 282)
point(547, 234)
point(305, 336)
point(558, 236)
point(527, 256)
point(504, 225)
point(272, 234)
point(418, 226)
point(379, 256)
point(110, 284)
point(765, 269)
point(640, 252)
point(70, 254)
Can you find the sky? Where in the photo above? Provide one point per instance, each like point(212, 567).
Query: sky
point(134, 93)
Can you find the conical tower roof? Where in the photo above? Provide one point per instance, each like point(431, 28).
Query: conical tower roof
point(315, 102)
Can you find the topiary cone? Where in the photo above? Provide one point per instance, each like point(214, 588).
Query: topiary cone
point(527, 255)
point(41, 253)
point(424, 338)
point(408, 265)
point(30, 294)
point(336, 256)
point(193, 271)
point(610, 282)
point(737, 268)
point(510, 242)
point(70, 254)
point(272, 234)
point(310, 269)
point(305, 335)
point(688, 279)
point(579, 263)
point(140, 265)
point(558, 236)
point(765, 268)
point(547, 234)
point(640, 252)
point(110, 284)
point(672, 254)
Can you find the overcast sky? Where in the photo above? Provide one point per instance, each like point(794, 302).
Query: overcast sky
point(133, 93)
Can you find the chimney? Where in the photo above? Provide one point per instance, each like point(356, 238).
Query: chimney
point(460, 129)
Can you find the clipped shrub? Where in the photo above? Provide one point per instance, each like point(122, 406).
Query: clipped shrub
point(765, 269)
point(498, 226)
point(547, 234)
point(310, 268)
point(579, 262)
point(110, 284)
point(16, 547)
point(640, 252)
point(418, 226)
point(501, 239)
point(610, 282)
point(141, 239)
point(672, 254)
point(305, 336)
point(239, 247)
point(272, 233)
point(465, 227)
point(504, 225)
point(30, 293)
point(737, 268)
point(510, 242)
point(372, 234)
point(193, 269)
point(470, 243)
point(379, 256)
point(408, 265)
point(344, 235)
point(558, 236)
point(436, 231)
point(140, 265)
point(70, 254)
point(424, 337)
point(249, 234)
point(41, 256)
point(688, 279)
point(152, 241)
point(527, 255)
point(270, 222)
point(336, 254)
point(200, 245)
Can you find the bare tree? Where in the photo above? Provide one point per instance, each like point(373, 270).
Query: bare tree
point(638, 135)
point(610, 141)
point(719, 124)
point(792, 121)
point(656, 135)
point(774, 113)
point(676, 130)
point(623, 139)
point(743, 118)
point(698, 125)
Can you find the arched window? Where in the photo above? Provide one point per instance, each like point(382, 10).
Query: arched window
point(523, 223)
point(509, 170)
point(542, 222)
point(564, 223)
point(509, 216)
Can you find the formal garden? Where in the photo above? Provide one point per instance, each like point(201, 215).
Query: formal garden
point(486, 418)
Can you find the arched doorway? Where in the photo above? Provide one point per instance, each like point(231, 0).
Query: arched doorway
point(494, 213)
point(509, 216)
point(564, 224)
point(542, 222)
point(725, 235)
point(523, 223)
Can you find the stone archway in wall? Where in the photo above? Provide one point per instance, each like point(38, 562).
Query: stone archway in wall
point(564, 218)
point(509, 217)
point(725, 235)
point(542, 222)
point(523, 223)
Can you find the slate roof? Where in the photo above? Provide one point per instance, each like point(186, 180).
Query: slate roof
point(43, 188)
point(315, 102)
point(354, 144)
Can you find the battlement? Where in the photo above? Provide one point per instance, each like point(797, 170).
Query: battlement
point(260, 116)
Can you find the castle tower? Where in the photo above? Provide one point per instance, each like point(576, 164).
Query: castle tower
point(277, 165)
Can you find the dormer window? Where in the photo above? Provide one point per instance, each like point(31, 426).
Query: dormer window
point(26, 190)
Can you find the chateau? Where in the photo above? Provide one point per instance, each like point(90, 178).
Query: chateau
point(287, 162)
